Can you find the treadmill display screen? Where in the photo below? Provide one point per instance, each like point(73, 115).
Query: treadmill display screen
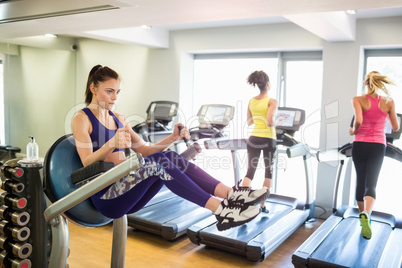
point(215, 114)
point(285, 118)
point(163, 111)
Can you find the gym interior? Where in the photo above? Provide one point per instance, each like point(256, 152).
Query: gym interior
point(43, 85)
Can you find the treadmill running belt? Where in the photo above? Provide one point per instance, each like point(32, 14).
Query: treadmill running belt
point(347, 248)
point(236, 239)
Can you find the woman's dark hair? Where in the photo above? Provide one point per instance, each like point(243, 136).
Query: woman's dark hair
point(258, 78)
point(98, 74)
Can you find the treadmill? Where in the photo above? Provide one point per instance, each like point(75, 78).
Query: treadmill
point(159, 122)
point(261, 236)
point(167, 214)
point(338, 242)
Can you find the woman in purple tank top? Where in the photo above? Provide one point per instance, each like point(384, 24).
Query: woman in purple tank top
point(102, 135)
point(370, 112)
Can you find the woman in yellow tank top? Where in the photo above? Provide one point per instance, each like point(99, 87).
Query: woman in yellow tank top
point(260, 113)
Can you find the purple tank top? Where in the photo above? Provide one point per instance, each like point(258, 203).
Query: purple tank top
point(373, 125)
point(100, 134)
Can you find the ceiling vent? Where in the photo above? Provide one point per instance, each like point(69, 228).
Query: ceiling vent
point(25, 10)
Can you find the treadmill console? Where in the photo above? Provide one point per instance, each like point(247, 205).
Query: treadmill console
point(288, 120)
point(212, 119)
point(163, 111)
point(217, 115)
point(158, 124)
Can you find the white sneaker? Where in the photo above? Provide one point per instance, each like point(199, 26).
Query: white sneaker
point(234, 215)
point(246, 196)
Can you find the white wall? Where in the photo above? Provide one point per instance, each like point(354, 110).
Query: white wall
point(130, 62)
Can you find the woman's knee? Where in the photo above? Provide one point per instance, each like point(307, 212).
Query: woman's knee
point(157, 157)
point(158, 154)
point(172, 155)
point(163, 161)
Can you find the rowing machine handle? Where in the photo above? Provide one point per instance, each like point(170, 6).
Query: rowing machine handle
point(184, 138)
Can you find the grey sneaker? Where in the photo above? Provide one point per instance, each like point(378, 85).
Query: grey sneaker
point(229, 216)
point(246, 196)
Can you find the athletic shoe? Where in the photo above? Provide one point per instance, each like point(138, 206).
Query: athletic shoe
point(229, 215)
point(365, 224)
point(264, 209)
point(246, 196)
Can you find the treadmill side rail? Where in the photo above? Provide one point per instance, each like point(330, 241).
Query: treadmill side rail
point(265, 243)
point(392, 255)
point(194, 230)
point(301, 255)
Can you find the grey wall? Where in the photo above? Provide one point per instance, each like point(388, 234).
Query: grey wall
point(39, 90)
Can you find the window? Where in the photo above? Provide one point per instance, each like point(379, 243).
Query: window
point(388, 62)
point(301, 91)
point(222, 79)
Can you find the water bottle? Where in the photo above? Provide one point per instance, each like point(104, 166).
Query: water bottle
point(32, 150)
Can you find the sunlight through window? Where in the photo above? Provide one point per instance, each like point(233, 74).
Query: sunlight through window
point(389, 181)
point(223, 81)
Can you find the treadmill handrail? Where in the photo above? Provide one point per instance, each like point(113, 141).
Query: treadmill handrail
point(393, 152)
point(232, 144)
point(94, 186)
point(344, 152)
point(299, 149)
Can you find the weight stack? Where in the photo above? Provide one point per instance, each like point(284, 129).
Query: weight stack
point(26, 238)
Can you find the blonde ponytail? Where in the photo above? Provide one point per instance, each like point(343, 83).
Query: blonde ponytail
point(376, 82)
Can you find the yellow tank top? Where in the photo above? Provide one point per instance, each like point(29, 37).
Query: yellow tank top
point(259, 110)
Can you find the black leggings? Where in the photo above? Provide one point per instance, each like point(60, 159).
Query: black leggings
point(368, 158)
point(254, 147)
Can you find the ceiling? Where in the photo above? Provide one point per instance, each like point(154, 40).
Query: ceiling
point(120, 20)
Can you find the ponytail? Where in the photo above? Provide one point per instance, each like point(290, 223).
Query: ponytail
point(258, 78)
point(96, 75)
point(376, 81)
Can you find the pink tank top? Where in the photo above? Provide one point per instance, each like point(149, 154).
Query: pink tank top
point(373, 125)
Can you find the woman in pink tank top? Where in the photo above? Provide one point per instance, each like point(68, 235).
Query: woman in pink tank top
point(370, 112)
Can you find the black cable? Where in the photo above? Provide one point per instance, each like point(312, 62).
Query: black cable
point(322, 214)
point(319, 216)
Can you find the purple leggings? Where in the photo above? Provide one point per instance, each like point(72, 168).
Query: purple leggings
point(187, 180)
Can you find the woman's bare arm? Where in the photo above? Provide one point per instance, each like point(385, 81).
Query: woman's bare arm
point(270, 114)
